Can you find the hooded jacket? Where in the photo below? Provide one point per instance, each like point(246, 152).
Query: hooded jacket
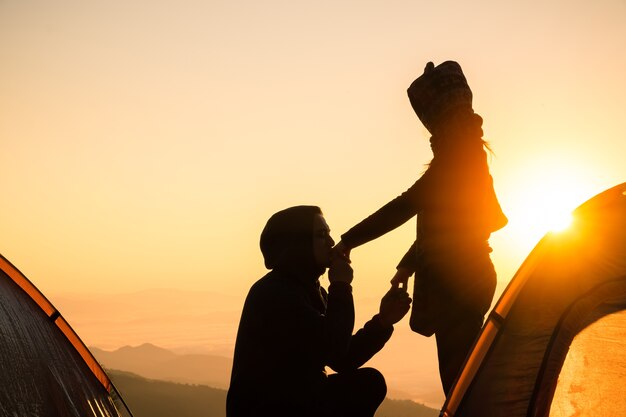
point(291, 328)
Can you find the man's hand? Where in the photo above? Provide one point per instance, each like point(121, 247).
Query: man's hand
point(393, 306)
point(340, 271)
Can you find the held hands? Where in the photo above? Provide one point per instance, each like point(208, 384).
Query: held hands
point(341, 251)
point(340, 271)
point(401, 278)
point(394, 305)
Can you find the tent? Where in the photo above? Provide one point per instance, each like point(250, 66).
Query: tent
point(555, 342)
point(45, 369)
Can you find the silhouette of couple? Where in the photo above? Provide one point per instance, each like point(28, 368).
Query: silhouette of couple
point(292, 328)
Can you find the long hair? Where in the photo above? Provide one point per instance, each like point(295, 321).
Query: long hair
point(460, 138)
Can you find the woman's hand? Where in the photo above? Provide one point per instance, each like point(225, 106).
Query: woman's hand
point(341, 251)
point(401, 278)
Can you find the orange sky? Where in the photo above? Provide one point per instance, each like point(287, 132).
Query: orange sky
point(144, 144)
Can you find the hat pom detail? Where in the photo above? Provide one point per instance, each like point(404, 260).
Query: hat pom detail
point(439, 92)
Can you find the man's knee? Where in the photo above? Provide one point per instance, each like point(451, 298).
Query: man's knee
point(376, 383)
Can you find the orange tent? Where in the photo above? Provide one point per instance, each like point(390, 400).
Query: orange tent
point(555, 343)
point(45, 369)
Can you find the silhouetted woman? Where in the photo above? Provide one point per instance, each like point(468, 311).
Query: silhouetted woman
point(456, 209)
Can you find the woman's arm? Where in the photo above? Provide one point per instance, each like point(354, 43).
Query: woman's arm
point(393, 214)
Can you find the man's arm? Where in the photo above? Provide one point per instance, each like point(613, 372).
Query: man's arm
point(375, 333)
point(339, 317)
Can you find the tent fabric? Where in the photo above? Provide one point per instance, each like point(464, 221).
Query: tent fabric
point(572, 281)
point(45, 369)
point(600, 384)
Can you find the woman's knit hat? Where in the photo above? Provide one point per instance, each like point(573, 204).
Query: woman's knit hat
point(439, 92)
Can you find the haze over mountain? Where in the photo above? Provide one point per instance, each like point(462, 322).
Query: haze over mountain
point(150, 361)
point(179, 320)
point(197, 329)
point(154, 362)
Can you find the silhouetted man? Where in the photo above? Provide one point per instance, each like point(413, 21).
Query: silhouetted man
point(291, 328)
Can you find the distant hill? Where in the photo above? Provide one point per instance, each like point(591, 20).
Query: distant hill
point(185, 321)
point(205, 323)
point(153, 398)
point(404, 408)
point(153, 362)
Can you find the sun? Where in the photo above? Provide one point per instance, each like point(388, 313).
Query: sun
point(560, 222)
point(544, 204)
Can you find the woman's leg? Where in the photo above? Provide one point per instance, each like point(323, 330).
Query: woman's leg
point(453, 345)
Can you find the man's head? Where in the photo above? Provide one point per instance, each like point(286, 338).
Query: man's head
point(297, 239)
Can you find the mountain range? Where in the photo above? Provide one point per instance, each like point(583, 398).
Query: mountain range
point(198, 330)
point(153, 362)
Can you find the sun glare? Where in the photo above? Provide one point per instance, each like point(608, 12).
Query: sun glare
point(561, 222)
point(543, 206)
point(547, 214)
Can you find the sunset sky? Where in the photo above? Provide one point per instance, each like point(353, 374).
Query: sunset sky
point(145, 143)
